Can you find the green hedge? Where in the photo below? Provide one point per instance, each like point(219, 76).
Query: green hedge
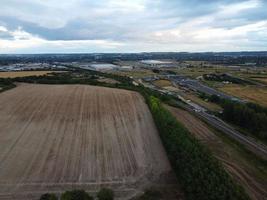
point(200, 174)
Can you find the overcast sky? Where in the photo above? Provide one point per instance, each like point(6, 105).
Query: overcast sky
point(88, 26)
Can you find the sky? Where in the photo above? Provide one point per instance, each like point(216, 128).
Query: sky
point(121, 26)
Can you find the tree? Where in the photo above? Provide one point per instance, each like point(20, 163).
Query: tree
point(214, 98)
point(76, 195)
point(105, 194)
point(250, 116)
point(150, 195)
point(201, 176)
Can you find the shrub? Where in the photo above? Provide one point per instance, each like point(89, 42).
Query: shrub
point(48, 196)
point(249, 116)
point(76, 195)
point(151, 195)
point(105, 194)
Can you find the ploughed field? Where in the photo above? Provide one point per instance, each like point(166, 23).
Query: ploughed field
point(59, 137)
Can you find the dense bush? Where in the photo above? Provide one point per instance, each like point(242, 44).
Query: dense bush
point(76, 195)
point(257, 108)
point(200, 174)
point(48, 196)
point(151, 195)
point(250, 116)
point(224, 77)
point(105, 194)
point(246, 117)
point(6, 83)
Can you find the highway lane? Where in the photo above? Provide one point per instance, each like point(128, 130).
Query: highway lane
point(250, 143)
point(256, 147)
point(196, 85)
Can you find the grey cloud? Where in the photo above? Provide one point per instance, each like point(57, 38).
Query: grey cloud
point(6, 36)
point(158, 15)
point(115, 20)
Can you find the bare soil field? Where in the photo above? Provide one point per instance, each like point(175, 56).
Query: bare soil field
point(162, 83)
point(23, 74)
point(59, 137)
point(243, 171)
point(172, 89)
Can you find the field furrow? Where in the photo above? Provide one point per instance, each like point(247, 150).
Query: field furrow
point(59, 137)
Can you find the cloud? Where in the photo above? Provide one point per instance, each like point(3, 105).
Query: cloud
point(203, 33)
point(132, 26)
point(3, 29)
point(22, 40)
point(236, 8)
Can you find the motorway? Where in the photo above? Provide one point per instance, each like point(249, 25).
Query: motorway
point(251, 144)
point(197, 86)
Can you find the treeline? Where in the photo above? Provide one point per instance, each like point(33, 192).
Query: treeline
point(200, 174)
point(60, 78)
point(77, 77)
point(224, 77)
point(249, 116)
point(259, 58)
point(88, 77)
point(5, 84)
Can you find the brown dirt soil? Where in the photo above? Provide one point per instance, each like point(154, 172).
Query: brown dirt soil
point(59, 137)
point(162, 83)
point(172, 89)
point(243, 172)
